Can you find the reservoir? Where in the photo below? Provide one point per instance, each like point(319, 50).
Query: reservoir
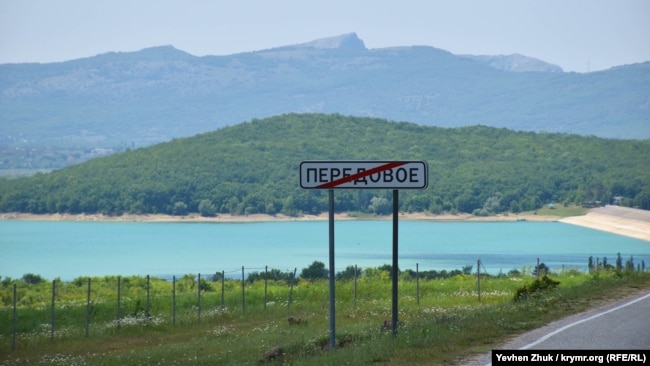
point(69, 249)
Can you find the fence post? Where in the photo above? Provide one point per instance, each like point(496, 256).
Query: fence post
point(266, 274)
point(293, 279)
point(223, 304)
point(478, 278)
point(173, 300)
point(14, 323)
point(243, 291)
point(88, 309)
point(199, 303)
point(354, 300)
point(53, 315)
point(147, 313)
point(119, 300)
point(417, 282)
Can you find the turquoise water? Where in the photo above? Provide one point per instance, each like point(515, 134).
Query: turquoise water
point(73, 249)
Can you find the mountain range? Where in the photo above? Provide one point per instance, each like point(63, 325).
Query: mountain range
point(114, 101)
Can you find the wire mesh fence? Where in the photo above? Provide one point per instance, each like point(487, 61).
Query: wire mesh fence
point(87, 305)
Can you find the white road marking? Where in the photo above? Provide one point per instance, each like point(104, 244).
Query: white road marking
point(561, 329)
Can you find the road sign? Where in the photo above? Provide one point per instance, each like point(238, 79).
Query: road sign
point(393, 175)
point(368, 174)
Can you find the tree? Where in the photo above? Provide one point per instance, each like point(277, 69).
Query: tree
point(417, 203)
point(187, 283)
point(349, 273)
point(380, 206)
point(388, 269)
point(493, 203)
point(629, 264)
point(271, 275)
point(207, 209)
point(642, 200)
point(232, 206)
point(32, 279)
point(542, 269)
point(619, 261)
point(467, 202)
point(315, 271)
point(180, 209)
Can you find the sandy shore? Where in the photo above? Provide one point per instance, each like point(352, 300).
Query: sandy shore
point(265, 218)
point(614, 219)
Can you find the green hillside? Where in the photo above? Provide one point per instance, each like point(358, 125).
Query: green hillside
point(253, 168)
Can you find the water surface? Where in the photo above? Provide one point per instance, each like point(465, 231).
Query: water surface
point(73, 249)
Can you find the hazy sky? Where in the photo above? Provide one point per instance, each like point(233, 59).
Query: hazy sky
point(577, 35)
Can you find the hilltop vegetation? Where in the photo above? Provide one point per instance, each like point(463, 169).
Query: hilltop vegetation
point(253, 168)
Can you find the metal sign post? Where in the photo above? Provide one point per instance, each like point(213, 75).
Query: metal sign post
point(332, 274)
point(393, 175)
point(395, 267)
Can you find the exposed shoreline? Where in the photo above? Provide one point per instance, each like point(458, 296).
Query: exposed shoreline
point(624, 221)
point(227, 218)
point(613, 219)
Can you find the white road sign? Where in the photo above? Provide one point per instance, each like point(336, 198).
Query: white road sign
point(363, 174)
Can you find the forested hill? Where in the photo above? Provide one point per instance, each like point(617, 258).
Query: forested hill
point(253, 167)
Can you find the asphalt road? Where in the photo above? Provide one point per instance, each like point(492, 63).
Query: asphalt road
point(623, 325)
point(626, 326)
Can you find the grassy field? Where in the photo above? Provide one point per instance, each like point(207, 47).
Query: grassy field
point(559, 210)
point(442, 321)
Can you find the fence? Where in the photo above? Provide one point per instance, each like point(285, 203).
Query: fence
point(118, 301)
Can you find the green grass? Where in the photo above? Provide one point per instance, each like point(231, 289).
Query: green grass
point(559, 210)
point(447, 325)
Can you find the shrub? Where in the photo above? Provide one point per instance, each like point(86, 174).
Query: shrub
point(514, 273)
point(349, 273)
point(32, 278)
point(272, 275)
point(540, 285)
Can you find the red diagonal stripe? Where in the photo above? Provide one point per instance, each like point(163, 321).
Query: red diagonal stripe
point(366, 173)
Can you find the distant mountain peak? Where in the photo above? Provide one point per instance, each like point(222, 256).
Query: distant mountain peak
point(348, 41)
